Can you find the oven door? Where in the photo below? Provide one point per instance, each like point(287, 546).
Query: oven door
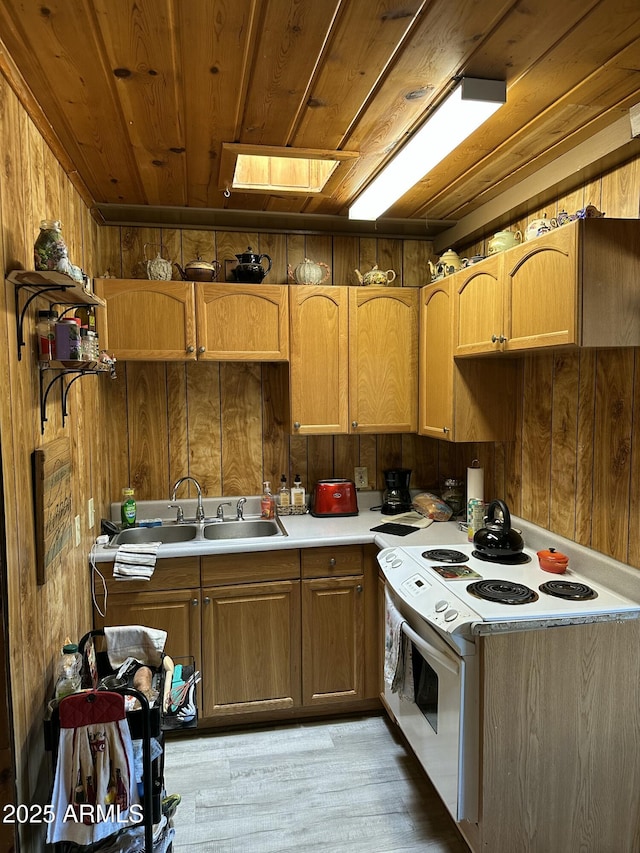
point(439, 719)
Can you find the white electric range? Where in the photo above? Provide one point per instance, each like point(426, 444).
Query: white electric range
point(434, 613)
point(454, 590)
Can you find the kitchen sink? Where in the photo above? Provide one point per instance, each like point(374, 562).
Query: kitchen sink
point(248, 529)
point(172, 533)
point(165, 535)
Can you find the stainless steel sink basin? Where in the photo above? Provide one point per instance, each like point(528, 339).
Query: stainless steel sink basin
point(249, 529)
point(164, 535)
point(172, 533)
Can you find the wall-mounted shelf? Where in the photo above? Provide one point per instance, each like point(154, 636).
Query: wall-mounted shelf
point(57, 288)
point(62, 369)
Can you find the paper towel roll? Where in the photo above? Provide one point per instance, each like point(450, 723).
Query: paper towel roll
point(475, 481)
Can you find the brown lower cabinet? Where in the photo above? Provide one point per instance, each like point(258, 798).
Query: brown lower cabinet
point(270, 631)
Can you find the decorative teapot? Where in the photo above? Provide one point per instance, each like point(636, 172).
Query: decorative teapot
point(309, 272)
point(157, 268)
point(376, 277)
point(250, 269)
point(447, 264)
point(539, 226)
point(503, 240)
point(199, 270)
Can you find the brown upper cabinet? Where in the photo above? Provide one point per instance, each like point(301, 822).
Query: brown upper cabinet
point(575, 286)
point(183, 321)
point(353, 359)
point(465, 400)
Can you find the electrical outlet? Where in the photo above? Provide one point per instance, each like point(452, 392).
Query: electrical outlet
point(78, 531)
point(91, 513)
point(361, 477)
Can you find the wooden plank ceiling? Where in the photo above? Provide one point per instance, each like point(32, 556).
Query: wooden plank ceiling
point(140, 95)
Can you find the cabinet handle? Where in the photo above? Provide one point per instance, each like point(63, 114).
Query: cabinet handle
point(332, 562)
point(207, 600)
point(359, 588)
point(202, 349)
point(354, 424)
point(445, 430)
point(195, 602)
point(296, 424)
point(191, 348)
point(498, 339)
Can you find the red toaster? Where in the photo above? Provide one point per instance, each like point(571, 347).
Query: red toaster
point(333, 498)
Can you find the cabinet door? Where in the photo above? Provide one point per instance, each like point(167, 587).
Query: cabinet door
point(333, 640)
point(479, 308)
point(319, 360)
point(148, 320)
point(175, 611)
point(464, 400)
point(251, 647)
point(383, 359)
point(435, 368)
point(542, 290)
point(242, 322)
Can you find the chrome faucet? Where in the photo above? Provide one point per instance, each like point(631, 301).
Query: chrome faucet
point(240, 509)
point(200, 509)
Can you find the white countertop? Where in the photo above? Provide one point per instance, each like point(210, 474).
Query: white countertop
point(305, 531)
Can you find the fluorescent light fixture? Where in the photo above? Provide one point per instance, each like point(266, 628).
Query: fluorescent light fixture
point(461, 113)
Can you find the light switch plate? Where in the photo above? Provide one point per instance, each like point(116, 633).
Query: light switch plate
point(361, 477)
point(91, 513)
point(77, 530)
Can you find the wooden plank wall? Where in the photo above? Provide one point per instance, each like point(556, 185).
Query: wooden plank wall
point(33, 186)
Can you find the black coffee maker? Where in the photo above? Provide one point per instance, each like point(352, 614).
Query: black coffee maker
point(396, 497)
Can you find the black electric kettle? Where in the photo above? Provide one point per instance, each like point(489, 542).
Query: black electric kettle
point(497, 539)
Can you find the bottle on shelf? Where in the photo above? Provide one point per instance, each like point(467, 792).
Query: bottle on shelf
point(267, 501)
point(46, 333)
point(68, 339)
point(284, 500)
point(69, 670)
point(128, 507)
point(297, 492)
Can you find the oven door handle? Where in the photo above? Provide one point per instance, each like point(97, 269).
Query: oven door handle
point(428, 651)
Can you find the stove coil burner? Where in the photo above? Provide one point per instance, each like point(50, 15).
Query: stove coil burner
point(511, 560)
point(445, 555)
point(502, 592)
point(570, 590)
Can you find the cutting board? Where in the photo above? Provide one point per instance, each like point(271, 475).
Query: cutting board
point(53, 505)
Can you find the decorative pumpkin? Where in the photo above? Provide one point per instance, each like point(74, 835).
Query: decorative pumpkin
point(309, 272)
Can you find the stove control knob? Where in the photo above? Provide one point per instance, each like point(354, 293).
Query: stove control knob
point(396, 564)
point(441, 605)
point(389, 557)
point(450, 615)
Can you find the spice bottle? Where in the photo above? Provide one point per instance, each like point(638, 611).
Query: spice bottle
point(46, 333)
point(128, 508)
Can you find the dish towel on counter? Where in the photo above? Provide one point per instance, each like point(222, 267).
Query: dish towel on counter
point(398, 666)
point(136, 562)
point(144, 644)
point(94, 786)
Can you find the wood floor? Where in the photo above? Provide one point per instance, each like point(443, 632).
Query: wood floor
point(342, 786)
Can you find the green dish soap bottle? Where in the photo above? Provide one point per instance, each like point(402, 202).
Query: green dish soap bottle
point(128, 508)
